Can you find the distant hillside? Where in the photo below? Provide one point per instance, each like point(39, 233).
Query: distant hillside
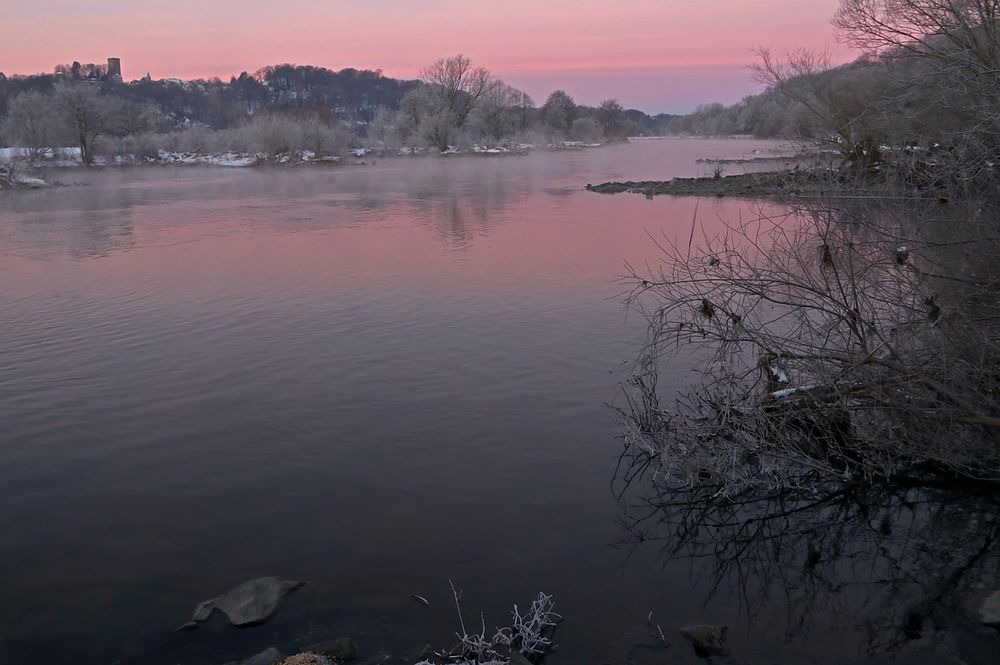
point(349, 94)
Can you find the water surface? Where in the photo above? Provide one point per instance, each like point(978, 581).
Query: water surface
point(372, 378)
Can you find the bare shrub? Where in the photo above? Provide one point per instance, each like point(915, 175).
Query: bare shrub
point(535, 136)
point(196, 138)
point(271, 135)
point(142, 146)
point(837, 341)
point(530, 634)
point(328, 140)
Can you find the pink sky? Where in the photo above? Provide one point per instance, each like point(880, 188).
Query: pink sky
point(658, 55)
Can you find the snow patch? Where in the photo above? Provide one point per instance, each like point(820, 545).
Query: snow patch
point(29, 182)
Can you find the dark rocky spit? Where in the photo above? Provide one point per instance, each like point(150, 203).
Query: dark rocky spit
point(772, 184)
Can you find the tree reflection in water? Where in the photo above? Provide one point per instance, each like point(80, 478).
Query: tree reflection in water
point(898, 560)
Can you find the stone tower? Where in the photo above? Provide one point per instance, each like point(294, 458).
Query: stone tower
point(115, 69)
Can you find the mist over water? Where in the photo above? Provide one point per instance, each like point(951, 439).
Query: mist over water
point(375, 379)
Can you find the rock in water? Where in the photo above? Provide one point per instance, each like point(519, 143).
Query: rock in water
point(707, 640)
point(247, 604)
point(989, 610)
point(268, 656)
point(342, 649)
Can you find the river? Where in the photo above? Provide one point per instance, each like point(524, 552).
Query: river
point(375, 378)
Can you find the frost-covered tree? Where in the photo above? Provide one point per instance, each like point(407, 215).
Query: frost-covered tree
point(559, 111)
point(414, 107)
point(87, 115)
point(524, 104)
point(951, 49)
point(585, 129)
point(382, 130)
point(30, 122)
point(503, 111)
point(611, 117)
point(456, 89)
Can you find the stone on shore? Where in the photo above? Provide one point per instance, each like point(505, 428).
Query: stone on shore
point(247, 604)
point(707, 640)
point(340, 650)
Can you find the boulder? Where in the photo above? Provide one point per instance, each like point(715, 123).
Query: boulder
point(341, 650)
point(707, 640)
point(247, 604)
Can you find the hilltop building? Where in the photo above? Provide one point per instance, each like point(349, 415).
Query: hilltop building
point(115, 69)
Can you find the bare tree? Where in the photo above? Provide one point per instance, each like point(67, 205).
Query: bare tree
point(802, 77)
point(964, 34)
point(610, 115)
point(585, 129)
point(524, 103)
point(954, 46)
point(382, 130)
point(88, 115)
point(412, 109)
point(559, 111)
point(457, 88)
point(139, 117)
point(30, 122)
point(501, 109)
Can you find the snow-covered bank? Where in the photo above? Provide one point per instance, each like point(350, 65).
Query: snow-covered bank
point(11, 178)
point(70, 157)
point(56, 157)
point(18, 181)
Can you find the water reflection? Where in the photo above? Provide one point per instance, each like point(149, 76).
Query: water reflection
point(367, 378)
point(86, 232)
point(456, 199)
point(899, 561)
point(99, 234)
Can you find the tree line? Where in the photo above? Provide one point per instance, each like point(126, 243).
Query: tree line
point(928, 74)
point(285, 107)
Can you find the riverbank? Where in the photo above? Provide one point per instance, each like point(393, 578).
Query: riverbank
point(970, 625)
point(13, 179)
point(16, 162)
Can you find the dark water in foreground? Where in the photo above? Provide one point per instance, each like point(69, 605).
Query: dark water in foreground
point(375, 379)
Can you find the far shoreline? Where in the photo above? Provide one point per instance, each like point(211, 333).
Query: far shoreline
point(18, 172)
